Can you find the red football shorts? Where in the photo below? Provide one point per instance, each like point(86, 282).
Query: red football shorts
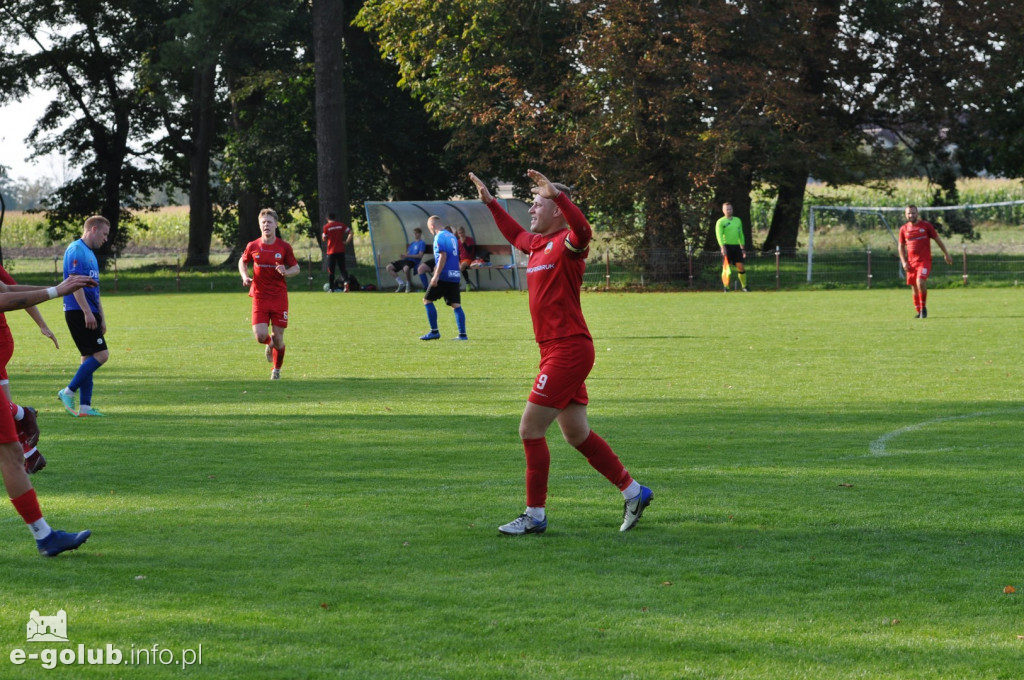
point(274, 317)
point(565, 364)
point(8, 430)
point(917, 271)
point(6, 351)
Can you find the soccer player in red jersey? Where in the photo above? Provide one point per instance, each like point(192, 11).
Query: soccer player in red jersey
point(50, 542)
point(272, 260)
point(34, 460)
point(915, 250)
point(336, 235)
point(558, 243)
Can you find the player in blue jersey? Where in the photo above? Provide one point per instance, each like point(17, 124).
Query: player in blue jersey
point(445, 281)
point(83, 312)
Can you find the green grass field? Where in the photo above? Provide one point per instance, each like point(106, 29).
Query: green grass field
point(838, 492)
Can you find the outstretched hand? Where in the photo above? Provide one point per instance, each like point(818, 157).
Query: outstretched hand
point(544, 188)
point(45, 330)
point(481, 189)
point(75, 282)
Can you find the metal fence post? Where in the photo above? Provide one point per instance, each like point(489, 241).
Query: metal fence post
point(869, 268)
point(965, 264)
point(689, 263)
point(777, 274)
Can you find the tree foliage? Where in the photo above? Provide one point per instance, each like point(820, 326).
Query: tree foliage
point(88, 54)
point(667, 108)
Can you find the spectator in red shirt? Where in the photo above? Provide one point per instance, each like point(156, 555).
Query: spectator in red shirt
point(467, 251)
point(558, 243)
point(336, 235)
point(272, 260)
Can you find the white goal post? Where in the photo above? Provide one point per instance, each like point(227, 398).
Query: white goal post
point(880, 212)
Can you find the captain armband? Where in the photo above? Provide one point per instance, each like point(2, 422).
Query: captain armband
point(570, 246)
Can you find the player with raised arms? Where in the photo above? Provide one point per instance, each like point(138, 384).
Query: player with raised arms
point(558, 244)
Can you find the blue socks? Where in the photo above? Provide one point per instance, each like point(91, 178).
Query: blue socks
point(460, 320)
point(431, 315)
point(424, 280)
point(83, 377)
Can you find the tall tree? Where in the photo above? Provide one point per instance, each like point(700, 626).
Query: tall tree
point(87, 54)
point(331, 137)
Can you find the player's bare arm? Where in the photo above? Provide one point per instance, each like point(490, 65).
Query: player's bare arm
point(243, 270)
point(30, 298)
point(288, 271)
point(481, 189)
point(438, 268)
point(945, 253)
point(37, 316)
point(83, 304)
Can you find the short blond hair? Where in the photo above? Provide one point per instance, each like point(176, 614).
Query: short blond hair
point(269, 211)
point(96, 221)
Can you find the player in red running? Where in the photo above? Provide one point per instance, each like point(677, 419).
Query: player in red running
point(272, 260)
point(50, 542)
point(915, 250)
point(558, 243)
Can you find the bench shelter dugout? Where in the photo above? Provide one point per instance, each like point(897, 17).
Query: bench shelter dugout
point(391, 224)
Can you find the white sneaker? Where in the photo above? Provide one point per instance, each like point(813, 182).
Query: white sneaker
point(398, 289)
point(524, 524)
point(634, 508)
point(275, 374)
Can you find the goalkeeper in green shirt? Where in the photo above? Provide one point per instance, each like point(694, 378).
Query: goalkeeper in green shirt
point(729, 231)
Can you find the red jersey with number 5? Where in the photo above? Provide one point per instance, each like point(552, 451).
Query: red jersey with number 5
point(554, 273)
point(268, 286)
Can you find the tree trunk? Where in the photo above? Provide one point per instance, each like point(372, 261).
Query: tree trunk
point(663, 234)
point(785, 225)
point(734, 187)
point(200, 202)
point(331, 139)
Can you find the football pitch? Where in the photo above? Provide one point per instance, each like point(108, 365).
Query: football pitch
point(839, 492)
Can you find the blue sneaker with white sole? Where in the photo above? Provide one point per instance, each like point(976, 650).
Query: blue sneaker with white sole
point(61, 541)
point(634, 508)
point(432, 335)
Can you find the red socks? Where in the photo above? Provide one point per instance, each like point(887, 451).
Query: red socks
point(598, 454)
point(278, 357)
point(603, 459)
point(27, 506)
point(538, 463)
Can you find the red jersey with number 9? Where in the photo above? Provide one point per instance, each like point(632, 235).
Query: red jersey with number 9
point(554, 274)
point(268, 285)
